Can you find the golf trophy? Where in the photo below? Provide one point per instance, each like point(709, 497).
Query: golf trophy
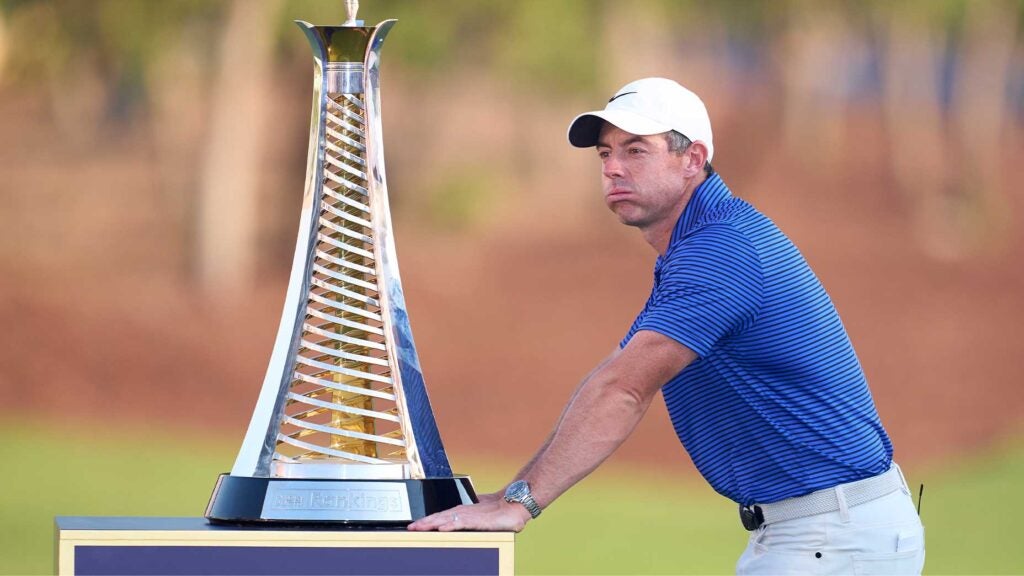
point(342, 432)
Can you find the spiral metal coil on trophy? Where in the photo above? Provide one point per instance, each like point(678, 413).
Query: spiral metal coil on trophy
point(343, 431)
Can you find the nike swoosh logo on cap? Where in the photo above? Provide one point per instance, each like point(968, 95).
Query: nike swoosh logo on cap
point(619, 96)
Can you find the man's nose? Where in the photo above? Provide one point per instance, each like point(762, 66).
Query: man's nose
point(611, 168)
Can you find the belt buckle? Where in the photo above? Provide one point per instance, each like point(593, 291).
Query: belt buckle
point(752, 517)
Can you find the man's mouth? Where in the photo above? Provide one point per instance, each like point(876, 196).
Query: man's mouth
point(616, 194)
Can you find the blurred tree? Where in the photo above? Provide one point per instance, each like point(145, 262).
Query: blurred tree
point(916, 38)
point(981, 111)
point(550, 45)
point(442, 33)
point(820, 44)
point(4, 45)
point(238, 128)
point(178, 109)
point(97, 51)
point(500, 73)
point(104, 62)
point(638, 40)
point(545, 52)
point(945, 103)
point(42, 50)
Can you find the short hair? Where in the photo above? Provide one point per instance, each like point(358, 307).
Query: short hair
point(677, 142)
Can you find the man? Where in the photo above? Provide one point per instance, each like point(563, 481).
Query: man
point(760, 379)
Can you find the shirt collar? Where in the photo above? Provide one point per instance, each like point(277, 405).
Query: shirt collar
point(709, 194)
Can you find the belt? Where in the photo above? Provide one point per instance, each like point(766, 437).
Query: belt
point(822, 501)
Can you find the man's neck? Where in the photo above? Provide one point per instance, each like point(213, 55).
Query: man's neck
point(659, 234)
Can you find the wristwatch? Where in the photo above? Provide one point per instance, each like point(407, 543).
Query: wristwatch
point(519, 491)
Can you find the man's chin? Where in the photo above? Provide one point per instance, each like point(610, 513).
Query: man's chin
point(628, 214)
point(629, 219)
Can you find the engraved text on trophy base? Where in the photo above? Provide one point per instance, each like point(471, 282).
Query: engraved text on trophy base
point(354, 501)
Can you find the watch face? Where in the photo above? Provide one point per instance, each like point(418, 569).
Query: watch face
point(517, 490)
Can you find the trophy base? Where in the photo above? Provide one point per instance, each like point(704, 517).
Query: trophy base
point(384, 503)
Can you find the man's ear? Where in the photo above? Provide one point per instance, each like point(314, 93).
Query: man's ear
point(696, 157)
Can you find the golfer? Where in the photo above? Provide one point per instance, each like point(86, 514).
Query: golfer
point(761, 382)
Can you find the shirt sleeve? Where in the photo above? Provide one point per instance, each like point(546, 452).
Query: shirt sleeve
point(710, 287)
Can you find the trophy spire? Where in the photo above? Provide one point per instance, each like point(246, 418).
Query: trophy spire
point(351, 8)
point(343, 406)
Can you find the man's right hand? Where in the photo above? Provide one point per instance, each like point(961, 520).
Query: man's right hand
point(495, 515)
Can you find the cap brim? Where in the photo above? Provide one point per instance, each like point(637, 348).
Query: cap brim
point(585, 128)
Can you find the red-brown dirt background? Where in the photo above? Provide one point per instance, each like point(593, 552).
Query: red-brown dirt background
point(507, 321)
point(105, 323)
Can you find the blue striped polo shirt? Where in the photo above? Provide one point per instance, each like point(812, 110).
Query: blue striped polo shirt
point(776, 404)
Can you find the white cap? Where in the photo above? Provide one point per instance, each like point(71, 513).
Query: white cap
point(644, 107)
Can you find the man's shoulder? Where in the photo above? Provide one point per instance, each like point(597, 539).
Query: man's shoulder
point(726, 228)
point(732, 221)
point(732, 210)
point(714, 249)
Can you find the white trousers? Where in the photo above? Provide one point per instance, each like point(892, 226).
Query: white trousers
point(883, 536)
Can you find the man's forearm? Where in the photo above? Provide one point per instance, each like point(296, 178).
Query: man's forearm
point(525, 470)
point(604, 412)
point(601, 415)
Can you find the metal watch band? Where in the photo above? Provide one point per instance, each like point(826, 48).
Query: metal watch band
point(519, 491)
point(531, 505)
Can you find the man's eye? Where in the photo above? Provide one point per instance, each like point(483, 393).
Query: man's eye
point(602, 154)
point(636, 150)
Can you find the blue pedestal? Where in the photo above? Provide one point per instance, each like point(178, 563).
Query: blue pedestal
point(179, 546)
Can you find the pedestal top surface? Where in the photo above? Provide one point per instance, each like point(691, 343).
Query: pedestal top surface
point(96, 525)
point(190, 523)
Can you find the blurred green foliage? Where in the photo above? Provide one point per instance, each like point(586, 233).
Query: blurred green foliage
point(545, 42)
point(124, 36)
point(618, 521)
point(431, 32)
point(551, 44)
point(462, 198)
point(541, 43)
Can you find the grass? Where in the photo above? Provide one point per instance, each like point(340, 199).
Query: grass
point(971, 511)
point(619, 521)
point(67, 472)
point(630, 522)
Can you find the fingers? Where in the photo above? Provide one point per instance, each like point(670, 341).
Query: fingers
point(489, 517)
point(446, 521)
